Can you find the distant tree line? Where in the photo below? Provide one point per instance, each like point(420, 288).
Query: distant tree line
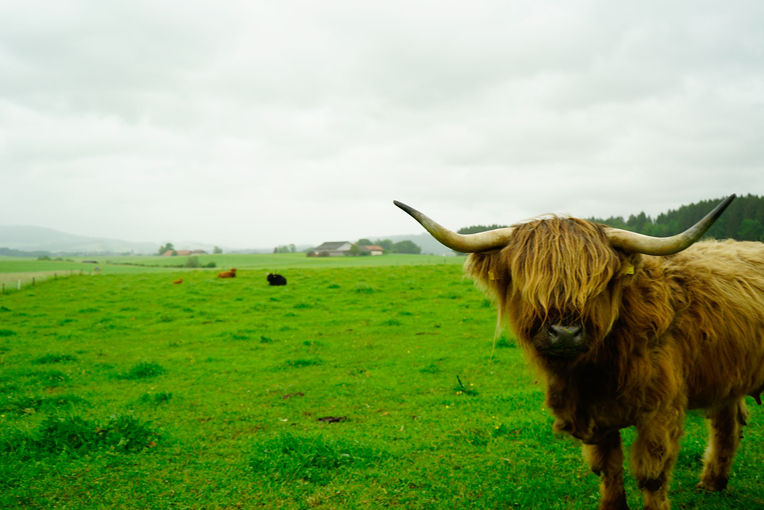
point(743, 220)
point(286, 248)
point(11, 252)
point(217, 250)
point(474, 229)
point(42, 254)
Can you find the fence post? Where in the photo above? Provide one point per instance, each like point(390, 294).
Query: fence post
point(18, 285)
point(3, 288)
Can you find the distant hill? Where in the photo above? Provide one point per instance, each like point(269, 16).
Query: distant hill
point(37, 240)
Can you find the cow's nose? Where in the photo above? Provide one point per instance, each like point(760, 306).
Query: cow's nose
point(563, 341)
point(565, 336)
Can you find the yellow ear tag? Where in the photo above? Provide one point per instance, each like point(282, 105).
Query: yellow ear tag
point(491, 276)
point(629, 270)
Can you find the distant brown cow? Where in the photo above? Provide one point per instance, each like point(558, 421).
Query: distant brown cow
point(630, 330)
point(178, 281)
point(228, 274)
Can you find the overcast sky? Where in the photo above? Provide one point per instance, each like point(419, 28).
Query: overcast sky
point(259, 123)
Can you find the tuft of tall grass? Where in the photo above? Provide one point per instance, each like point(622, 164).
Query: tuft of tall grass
point(52, 378)
point(303, 362)
point(75, 435)
point(364, 288)
point(311, 458)
point(155, 398)
point(33, 404)
point(142, 370)
point(54, 358)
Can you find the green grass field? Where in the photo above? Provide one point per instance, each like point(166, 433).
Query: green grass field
point(17, 272)
point(363, 383)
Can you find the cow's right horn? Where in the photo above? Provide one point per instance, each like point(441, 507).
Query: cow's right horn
point(638, 243)
point(465, 243)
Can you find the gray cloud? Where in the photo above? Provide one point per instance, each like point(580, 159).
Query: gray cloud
point(259, 123)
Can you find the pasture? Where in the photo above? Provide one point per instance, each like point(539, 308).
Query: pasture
point(363, 383)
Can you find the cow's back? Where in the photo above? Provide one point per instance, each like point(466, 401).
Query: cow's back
point(718, 293)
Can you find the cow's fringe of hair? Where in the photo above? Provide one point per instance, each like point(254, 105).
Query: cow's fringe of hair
point(560, 266)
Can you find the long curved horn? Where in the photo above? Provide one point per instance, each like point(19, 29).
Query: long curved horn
point(465, 243)
point(638, 243)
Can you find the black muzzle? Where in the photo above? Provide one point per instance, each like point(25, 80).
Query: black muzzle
point(562, 341)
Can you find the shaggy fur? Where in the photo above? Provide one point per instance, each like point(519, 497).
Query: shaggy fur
point(664, 334)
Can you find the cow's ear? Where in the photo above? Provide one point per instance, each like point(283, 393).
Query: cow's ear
point(630, 265)
point(489, 269)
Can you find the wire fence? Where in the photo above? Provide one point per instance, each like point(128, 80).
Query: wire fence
point(13, 282)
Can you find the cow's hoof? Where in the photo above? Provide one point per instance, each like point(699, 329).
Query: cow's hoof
point(619, 505)
point(617, 502)
point(713, 484)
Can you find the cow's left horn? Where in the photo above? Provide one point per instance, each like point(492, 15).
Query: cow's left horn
point(638, 243)
point(465, 243)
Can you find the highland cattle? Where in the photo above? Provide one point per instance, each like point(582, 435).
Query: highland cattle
point(630, 331)
point(276, 279)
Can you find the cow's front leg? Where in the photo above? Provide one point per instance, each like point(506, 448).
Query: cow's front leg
point(726, 426)
point(654, 453)
point(606, 460)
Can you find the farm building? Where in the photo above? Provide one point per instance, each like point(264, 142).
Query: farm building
point(331, 249)
point(373, 249)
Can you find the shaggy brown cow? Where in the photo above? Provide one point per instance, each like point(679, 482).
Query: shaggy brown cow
point(231, 273)
point(178, 281)
point(630, 330)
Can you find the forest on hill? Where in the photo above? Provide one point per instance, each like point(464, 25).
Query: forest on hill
point(743, 220)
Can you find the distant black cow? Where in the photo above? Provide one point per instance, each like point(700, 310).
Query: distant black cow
point(276, 279)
